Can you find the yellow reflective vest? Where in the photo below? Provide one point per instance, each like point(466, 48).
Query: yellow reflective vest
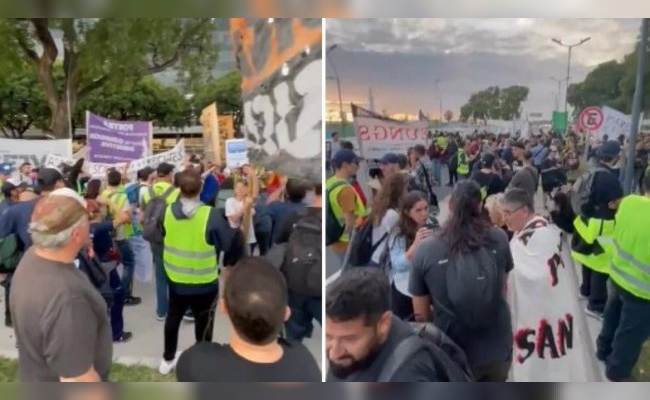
point(629, 247)
point(463, 163)
point(121, 201)
point(187, 257)
point(591, 229)
point(360, 210)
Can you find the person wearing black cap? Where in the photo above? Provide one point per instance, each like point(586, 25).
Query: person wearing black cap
point(343, 202)
point(597, 219)
point(11, 190)
point(488, 176)
point(17, 221)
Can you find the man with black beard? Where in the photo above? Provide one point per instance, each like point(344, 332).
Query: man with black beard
point(362, 333)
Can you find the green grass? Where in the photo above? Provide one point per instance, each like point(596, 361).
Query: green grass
point(642, 373)
point(119, 373)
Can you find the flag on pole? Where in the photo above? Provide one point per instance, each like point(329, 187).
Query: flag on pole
point(422, 117)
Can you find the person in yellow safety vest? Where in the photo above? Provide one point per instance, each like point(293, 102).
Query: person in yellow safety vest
point(626, 325)
point(597, 219)
point(114, 194)
point(343, 200)
point(463, 164)
point(193, 236)
point(163, 185)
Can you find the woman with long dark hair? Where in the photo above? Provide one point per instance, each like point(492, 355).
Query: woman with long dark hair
point(414, 227)
point(384, 212)
point(461, 274)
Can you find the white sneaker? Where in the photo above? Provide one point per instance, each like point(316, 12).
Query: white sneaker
point(168, 366)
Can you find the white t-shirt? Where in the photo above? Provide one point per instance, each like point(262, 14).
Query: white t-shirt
point(233, 206)
point(390, 220)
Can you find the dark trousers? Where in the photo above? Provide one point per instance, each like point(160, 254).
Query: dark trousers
point(304, 309)
point(7, 285)
point(117, 308)
point(400, 304)
point(594, 287)
point(453, 177)
point(497, 372)
point(626, 327)
point(162, 283)
point(263, 241)
point(128, 261)
point(201, 305)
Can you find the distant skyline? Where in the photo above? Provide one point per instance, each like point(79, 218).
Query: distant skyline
point(400, 59)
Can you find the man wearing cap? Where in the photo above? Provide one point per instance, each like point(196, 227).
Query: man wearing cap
point(60, 319)
point(597, 219)
point(342, 199)
point(114, 193)
point(163, 187)
point(11, 190)
point(17, 221)
point(6, 170)
point(526, 177)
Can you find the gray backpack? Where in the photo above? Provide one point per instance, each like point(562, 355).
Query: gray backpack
point(154, 214)
point(582, 188)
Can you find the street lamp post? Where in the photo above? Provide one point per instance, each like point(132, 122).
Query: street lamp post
point(439, 97)
point(338, 84)
point(568, 68)
point(559, 92)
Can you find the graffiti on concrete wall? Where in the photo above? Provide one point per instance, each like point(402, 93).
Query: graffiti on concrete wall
point(281, 64)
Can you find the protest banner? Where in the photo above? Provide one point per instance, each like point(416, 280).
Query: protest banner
point(551, 341)
point(377, 137)
point(18, 151)
point(281, 65)
point(112, 141)
point(211, 143)
point(236, 153)
point(174, 156)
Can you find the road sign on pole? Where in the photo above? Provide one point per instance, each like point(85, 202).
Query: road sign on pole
point(591, 118)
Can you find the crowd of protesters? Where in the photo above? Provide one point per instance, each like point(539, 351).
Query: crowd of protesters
point(71, 245)
point(399, 264)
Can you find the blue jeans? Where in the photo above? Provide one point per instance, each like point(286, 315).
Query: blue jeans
point(128, 261)
point(304, 309)
point(437, 169)
point(162, 282)
point(626, 327)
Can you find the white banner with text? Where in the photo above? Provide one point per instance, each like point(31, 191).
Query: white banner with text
point(377, 137)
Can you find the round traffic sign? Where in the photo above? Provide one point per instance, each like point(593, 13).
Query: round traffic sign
point(591, 118)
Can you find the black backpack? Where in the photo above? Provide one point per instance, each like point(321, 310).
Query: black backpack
point(361, 247)
point(333, 228)
point(474, 288)
point(92, 267)
point(448, 358)
point(302, 266)
point(154, 214)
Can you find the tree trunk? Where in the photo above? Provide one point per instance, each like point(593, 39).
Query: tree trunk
point(59, 125)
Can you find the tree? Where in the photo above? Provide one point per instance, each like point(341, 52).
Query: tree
point(97, 52)
point(146, 100)
point(226, 92)
point(494, 103)
point(449, 115)
point(600, 87)
point(22, 101)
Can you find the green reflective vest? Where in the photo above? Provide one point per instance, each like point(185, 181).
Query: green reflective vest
point(360, 211)
point(629, 247)
point(590, 230)
point(121, 201)
point(463, 164)
point(159, 188)
point(187, 257)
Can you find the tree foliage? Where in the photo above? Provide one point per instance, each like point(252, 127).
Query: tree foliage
point(611, 84)
point(22, 102)
point(226, 92)
point(495, 103)
point(145, 100)
point(103, 51)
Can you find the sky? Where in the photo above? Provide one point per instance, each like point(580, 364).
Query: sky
point(400, 59)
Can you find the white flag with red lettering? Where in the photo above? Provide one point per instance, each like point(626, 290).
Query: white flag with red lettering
point(550, 341)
